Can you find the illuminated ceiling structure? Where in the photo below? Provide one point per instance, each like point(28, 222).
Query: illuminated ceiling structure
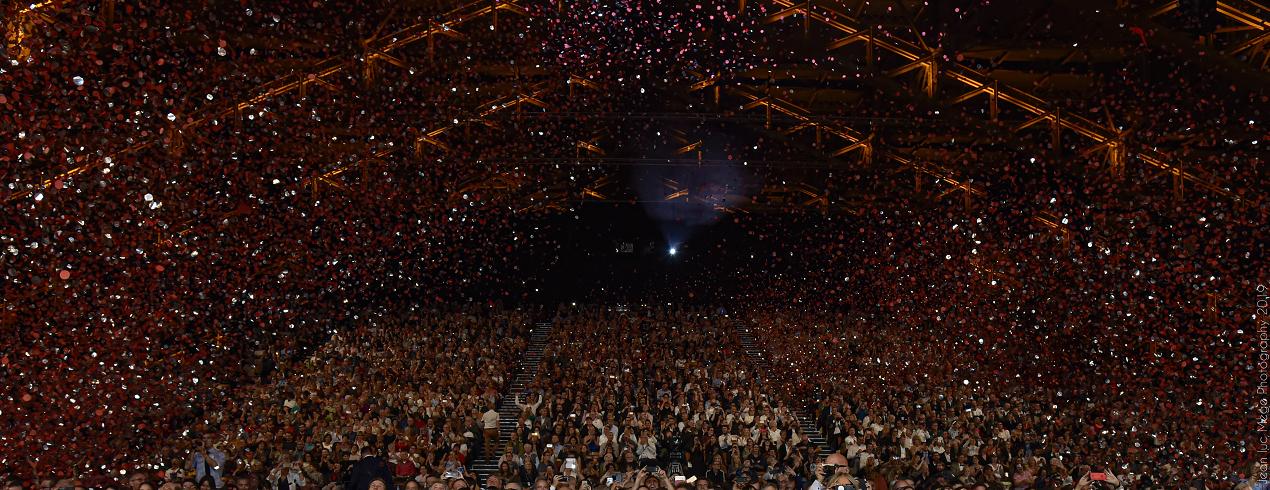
point(900, 54)
point(879, 116)
point(791, 107)
point(1242, 31)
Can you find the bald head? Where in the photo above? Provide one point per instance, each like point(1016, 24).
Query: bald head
point(835, 464)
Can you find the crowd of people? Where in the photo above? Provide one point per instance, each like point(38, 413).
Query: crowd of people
point(641, 397)
point(409, 391)
point(191, 259)
point(197, 280)
point(667, 396)
point(1094, 319)
point(1087, 358)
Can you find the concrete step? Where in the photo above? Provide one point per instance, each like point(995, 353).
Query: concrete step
point(508, 412)
point(757, 356)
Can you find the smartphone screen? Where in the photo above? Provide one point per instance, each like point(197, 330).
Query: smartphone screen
point(1098, 476)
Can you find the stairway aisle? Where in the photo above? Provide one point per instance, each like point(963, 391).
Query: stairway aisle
point(806, 420)
point(508, 413)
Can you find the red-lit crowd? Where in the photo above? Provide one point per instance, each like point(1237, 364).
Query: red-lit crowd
point(668, 397)
point(193, 257)
point(1034, 353)
point(212, 279)
point(410, 388)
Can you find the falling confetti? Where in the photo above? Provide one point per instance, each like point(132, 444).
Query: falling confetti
point(332, 209)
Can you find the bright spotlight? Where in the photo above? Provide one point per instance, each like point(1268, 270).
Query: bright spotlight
point(673, 251)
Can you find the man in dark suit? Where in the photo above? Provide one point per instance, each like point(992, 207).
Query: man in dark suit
point(368, 469)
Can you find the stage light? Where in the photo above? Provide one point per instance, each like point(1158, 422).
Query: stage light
point(673, 251)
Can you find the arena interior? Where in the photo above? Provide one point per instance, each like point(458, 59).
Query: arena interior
point(634, 244)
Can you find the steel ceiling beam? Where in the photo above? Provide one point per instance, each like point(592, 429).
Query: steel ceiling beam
point(318, 73)
point(1247, 16)
point(923, 59)
point(852, 140)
